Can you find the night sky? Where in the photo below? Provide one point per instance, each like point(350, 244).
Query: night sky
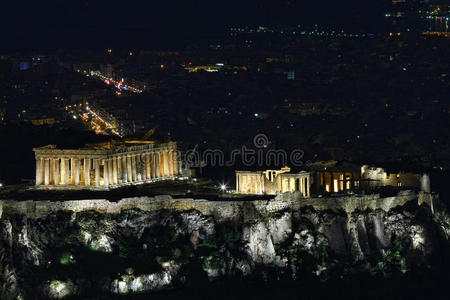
point(92, 23)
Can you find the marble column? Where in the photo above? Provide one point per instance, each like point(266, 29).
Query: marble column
point(105, 173)
point(170, 161)
point(166, 163)
point(119, 170)
point(307, 185)
point(110, 171)
point(77, 171)
point(81, 167)
point(133, 167)
point(143, 166)
point(72, 170)
point(154, 165)
point(259, 184)
point(153, 157)
point(138, 167)
point(123, 160)
point(87, 171)
point(66, 170)
point(51, 171)
point(158, 164)
point(47, 171)
point(97, 171)
point(175, 162)
point(298, 185)
point(237, 183)
point(62, 171)
point(161, 163)
point(262, 185)
point(39, 170)
point(114, 160)
point(162, 170)
point(302, 185)
point(57, 178)
point(129, 168)
point(298, 182)
point(147, 165)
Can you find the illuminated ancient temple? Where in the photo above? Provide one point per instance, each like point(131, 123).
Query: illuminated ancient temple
point(106, 165)
point(270, 182)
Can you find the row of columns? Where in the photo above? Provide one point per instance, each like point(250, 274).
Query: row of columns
point(129, 168)
point(300, 184)
point(250, 183)
point(341, 183)
point(114, 170)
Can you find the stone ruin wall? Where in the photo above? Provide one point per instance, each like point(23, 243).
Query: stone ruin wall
point(221, 210)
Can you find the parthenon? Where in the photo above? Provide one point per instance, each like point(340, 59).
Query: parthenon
point(106, 165)
point(270, 182)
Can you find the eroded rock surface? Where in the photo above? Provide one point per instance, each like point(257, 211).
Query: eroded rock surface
point(66, 254)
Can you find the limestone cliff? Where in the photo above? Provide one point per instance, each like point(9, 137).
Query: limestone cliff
point(67, 252)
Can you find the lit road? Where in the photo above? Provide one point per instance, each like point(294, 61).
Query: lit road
point(109, 80)
point(92, 119)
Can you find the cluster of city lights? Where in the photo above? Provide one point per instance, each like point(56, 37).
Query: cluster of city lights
point(89, 116)
point(437, 17)
point(119, 84)
point(297, 31)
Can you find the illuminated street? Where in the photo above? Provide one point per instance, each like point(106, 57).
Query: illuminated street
point(92, 119)
point(121, 85)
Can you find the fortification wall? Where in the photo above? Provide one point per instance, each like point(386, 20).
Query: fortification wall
point(222, 210)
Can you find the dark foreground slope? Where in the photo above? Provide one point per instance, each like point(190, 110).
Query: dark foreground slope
point(171, 254)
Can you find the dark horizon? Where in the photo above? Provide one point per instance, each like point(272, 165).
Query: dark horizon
point(96, 24)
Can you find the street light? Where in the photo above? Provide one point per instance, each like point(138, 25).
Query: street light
point(223, 188)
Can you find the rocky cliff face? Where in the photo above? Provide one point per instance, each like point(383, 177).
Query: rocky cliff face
point(85, 253)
